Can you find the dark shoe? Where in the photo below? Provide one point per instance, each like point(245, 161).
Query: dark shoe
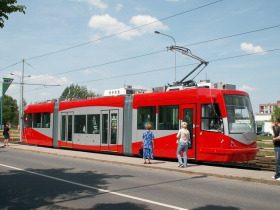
point(149, 163)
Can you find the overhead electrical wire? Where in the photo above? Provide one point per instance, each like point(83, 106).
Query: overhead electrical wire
point(162, 69)
point(115, 34)
point(10, 66)
point(167, 68)
point(156, 52)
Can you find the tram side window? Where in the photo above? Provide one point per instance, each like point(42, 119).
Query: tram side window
point(37, 120)
point(211, 118)
point(146, 115)
point(46, 119)
point(168, 117)
point(24, 120)
point(80, 124)
point(29, 120)
point(93, 124)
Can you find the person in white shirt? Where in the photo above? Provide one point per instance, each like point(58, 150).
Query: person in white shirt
point(183, 136)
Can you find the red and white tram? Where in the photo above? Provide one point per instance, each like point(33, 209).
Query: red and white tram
point(220, 121)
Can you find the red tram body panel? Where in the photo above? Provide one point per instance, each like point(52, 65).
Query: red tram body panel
point(221, 124)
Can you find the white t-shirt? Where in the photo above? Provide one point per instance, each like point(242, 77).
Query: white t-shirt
point(184, 135)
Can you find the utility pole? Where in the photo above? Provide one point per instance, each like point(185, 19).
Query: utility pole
point(21, 102)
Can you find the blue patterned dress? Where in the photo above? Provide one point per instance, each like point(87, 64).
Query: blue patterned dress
point(148, 137)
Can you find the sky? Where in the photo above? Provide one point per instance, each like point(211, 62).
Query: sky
point(106, 44)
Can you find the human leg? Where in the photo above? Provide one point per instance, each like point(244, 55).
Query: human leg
point(277, 162)
point(179, 149)
point(185, 150)
point(145, 155)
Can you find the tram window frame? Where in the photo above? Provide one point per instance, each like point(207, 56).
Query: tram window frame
point(93, 128)
point(80, 124)
point(167, 119)
point(29, 120)
point(24, 120)
point(143, 119)
point(37, 120)
point(46, 120)
point(209, 122)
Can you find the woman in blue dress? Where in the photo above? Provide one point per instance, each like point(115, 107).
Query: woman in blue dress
point(148, 144)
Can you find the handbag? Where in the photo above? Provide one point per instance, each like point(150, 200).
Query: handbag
point(189, 143)
point(140, 152)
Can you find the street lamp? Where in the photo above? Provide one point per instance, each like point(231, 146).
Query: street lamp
point(157, 32)
point(21, 102)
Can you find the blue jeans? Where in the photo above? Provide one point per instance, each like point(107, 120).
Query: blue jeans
point(182, 147)
point(277, 161)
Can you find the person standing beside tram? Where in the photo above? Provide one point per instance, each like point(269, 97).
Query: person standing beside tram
point(148, 144)
point(6, 134)
point(276, 142)
point(183, 137)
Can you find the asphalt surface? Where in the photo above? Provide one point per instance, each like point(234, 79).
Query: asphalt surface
point(34, 177)
point(259, 176)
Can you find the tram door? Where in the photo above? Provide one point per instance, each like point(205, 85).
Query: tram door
point(189, 116)
point(67, 128)
point(109, 130)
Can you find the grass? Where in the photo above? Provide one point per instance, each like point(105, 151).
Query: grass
point(265, 144)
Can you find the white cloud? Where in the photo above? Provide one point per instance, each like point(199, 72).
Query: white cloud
point(91, 71)
point(247, 88)
point(86, 72)
point(96, 3)
point(47, 80)
point(119, 7)
point(112, 26)
point(141, 9)
point(250, 48)
point(96, 38)
point(140, 20)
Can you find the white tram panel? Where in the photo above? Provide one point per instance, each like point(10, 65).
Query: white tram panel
point(85, 138)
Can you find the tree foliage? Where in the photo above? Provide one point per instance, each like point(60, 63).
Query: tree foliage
point(275, 113)
point(77, 92)
point(10, 110)
point(8, 7)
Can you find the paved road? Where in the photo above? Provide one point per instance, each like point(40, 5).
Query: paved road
point(38, 181)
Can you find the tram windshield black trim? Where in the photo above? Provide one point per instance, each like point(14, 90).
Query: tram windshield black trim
point(240, 114)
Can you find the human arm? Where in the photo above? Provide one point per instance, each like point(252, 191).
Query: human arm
point(178, 134)
point(177, 137)
point(276, 139)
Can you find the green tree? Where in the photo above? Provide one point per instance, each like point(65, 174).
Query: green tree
point(10, 110)
point(8, 7)
point(275, 113)
point(77, 92)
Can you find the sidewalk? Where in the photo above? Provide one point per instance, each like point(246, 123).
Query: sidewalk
point(258, 176)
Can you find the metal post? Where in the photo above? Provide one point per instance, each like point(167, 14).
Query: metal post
point(2, 110)
point(19, 116)
point(21, 102)
point(157, 32)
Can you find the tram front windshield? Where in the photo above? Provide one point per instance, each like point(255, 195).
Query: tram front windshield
point(240, 114)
